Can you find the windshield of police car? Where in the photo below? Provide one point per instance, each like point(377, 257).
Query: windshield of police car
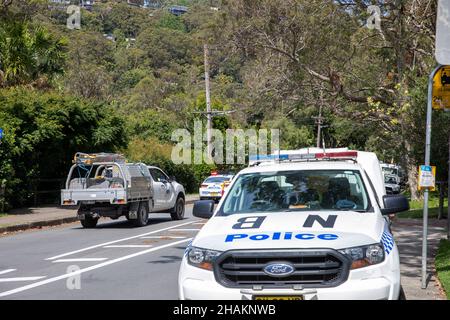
point(217, 179)
point(309, 190)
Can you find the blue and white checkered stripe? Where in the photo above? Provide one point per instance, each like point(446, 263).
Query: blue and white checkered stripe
point(188, 247)
point(388, 241)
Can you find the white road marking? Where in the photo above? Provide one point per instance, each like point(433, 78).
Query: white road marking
point(7, 270)
point(163, 237)
point(129, 246)
point(199, 223)
point(80, 260)
point(20, 279)
point(100, 265)
point(115, 241)
point(185, 230)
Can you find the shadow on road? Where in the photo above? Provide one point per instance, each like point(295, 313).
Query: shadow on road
point(166, 259)
point(125, 224)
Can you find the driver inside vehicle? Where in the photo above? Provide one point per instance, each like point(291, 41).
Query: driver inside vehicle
point(301, 196)
point(268, 195)
point(339, 195)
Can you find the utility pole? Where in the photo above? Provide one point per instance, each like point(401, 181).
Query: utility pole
point(319, 121)
point(209, 113)
point(208, 104)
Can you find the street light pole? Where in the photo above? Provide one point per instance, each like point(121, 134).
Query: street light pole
point(427, 163)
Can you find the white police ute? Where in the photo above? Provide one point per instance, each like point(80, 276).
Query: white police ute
point(309, 224)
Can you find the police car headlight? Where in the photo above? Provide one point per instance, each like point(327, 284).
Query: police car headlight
point(202, 258)
point(364, 256)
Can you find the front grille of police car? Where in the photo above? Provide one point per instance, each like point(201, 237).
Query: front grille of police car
point(313, 268)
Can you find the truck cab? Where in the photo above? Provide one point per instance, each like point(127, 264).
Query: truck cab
point(307, 224)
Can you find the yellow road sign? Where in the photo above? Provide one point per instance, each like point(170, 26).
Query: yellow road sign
point(427, 178)
point(441, 89)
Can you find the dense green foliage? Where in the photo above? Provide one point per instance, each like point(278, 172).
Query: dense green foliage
point(275, 63)
point(44, 130)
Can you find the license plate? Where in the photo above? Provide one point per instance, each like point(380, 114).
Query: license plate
point(278, 298)
point(213, 194)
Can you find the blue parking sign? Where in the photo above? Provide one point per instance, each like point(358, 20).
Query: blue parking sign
point(426, 168)
point(1, 133)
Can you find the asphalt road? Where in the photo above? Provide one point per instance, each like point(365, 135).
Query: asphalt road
point(113, 261)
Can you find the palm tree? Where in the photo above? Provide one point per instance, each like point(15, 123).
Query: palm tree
point(28, 55)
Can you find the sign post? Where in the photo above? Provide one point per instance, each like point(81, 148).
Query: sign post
point(427, 163)
point(442, 55)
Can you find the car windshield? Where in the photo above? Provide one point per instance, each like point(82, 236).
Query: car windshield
point(390, 179)
point(392, 171)
point(216, 179)
point(308, 190)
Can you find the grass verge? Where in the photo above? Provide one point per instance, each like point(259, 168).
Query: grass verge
point(416, 208)
point(443, 265)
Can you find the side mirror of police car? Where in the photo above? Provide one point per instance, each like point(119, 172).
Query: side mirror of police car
point(203, 209)
point(394, 203)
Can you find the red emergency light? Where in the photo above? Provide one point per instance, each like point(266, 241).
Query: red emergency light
point(343, 154)
point(320, 156)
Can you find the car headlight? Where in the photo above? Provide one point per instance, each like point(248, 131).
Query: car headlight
point(364, 256)
point(202, 258)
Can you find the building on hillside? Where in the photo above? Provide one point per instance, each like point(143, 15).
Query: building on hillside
point(178, 10)
point(86, 4)
point(148, 4)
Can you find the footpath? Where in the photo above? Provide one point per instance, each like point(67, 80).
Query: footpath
point(408, 236)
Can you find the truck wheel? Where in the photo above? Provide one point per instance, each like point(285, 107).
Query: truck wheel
point(89, 222)
point(142, 216)
point(177, 212)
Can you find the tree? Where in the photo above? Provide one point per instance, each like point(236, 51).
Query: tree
point(44, 130)
point(368, 74)
point(29, 55)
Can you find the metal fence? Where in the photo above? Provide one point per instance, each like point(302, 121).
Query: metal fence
point(47, 191)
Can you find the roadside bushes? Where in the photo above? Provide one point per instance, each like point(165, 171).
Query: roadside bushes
point(43, 130)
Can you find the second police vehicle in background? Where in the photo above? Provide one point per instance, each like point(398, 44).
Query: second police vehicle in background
point(213, 187)
point(304, 224)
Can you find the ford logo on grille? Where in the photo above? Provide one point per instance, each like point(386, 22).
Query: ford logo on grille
point(278, 269)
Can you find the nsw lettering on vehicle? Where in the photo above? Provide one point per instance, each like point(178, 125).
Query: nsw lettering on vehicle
point(256, 222)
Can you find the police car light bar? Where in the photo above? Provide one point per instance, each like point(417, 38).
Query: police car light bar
point(341, 155)
point(338, 155)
